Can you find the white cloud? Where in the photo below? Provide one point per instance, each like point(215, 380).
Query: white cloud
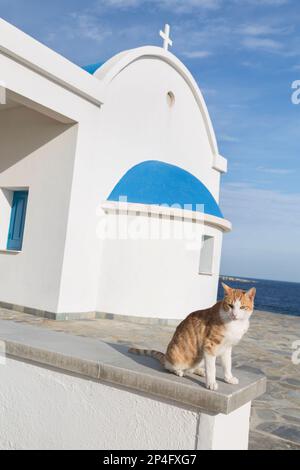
point(183, 6)
point(196, 36)
point(250, 64)
point(196, 54)
point(84, 25)
point(118, 3)
point(276, 171)
point(268, 35)
point(174, 6)
point(272, 3)
point(265, 205)
point(218, 34)
point(261, 207)
point(261, 30)
point(265, 44)
point(228, 138)
point(209, 91)
point(237, 106)
point(186, 6)
point(194, 41)
point(198, 29)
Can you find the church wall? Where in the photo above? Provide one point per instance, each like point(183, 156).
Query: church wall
point(36, 153)
point(136, 123)
point(71, 169)
point(81, 263)
point(140, 124)
point(157, 278)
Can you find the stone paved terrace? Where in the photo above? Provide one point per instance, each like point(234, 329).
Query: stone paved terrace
point(275, 422)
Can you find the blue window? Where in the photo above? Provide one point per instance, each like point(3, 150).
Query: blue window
point(17, 220)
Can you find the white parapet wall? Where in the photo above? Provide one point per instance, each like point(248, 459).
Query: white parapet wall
point(46, 409)
point(59, 391)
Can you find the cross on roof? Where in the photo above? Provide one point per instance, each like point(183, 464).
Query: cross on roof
point(166, 37)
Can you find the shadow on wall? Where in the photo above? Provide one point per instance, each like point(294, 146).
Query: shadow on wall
point(22, 132)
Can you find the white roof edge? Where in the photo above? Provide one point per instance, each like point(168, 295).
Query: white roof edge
point(220, 164)
point(29, 52)
point(111, 68)
point(148, 209)
point(120, 61)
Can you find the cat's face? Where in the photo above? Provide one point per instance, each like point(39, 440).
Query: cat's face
point(238, 304)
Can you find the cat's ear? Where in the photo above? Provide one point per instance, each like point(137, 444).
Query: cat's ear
point(251, 293)
point(226, 288)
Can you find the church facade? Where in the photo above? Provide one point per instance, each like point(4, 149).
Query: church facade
point(109, 185)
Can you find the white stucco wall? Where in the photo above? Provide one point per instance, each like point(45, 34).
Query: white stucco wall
point(157, 278)
point(71, 153)
point(36, 153)
point(139, 124)
point(45, 148)
point(44, 409)
point(136, 124)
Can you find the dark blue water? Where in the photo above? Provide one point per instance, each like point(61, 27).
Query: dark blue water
point(272, 296)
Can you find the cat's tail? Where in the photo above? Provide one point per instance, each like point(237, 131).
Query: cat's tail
point(149, 352)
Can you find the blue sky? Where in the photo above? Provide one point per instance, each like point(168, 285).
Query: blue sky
point(245, 54)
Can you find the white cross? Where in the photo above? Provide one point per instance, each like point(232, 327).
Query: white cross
point(166, 37)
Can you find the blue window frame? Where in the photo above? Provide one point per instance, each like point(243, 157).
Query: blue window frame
point(17, 221)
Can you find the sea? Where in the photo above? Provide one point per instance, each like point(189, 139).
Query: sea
point(272, 296)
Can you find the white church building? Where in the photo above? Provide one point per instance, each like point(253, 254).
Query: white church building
point(109, 185)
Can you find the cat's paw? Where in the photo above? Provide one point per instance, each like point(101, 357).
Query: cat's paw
point(179, 373)
point(200, 371)
point(212, 386)
point(232, 380)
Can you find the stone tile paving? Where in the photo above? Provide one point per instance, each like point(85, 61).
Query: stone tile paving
point(275, 421)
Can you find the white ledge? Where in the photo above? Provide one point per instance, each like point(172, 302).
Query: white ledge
point(149, 209)
point(39, 58)
point(220, 164)
point(96, 360)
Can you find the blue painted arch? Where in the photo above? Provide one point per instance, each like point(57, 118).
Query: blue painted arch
point(156, 183)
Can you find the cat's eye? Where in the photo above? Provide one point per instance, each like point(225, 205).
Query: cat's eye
point(243, 308)
point(230, 305)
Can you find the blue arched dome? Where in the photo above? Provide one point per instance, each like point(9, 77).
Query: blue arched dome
point(154, 182)
point(92, 68)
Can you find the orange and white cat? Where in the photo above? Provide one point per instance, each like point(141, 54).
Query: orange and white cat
point(207, 334)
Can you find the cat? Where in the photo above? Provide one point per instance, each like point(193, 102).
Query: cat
point(207, 334)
